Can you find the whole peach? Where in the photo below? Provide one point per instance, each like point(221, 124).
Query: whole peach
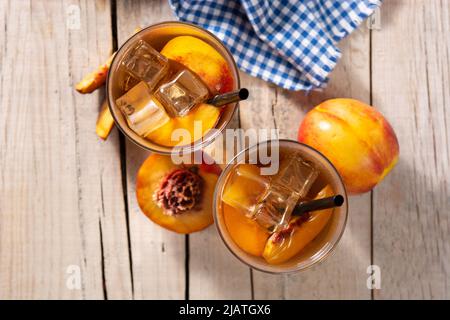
point(356, 138)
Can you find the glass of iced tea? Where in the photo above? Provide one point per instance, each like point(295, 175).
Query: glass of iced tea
point(159, 84)
point(256, 206)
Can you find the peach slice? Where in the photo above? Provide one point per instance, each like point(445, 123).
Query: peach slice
point(285, 244)
point(105, 122)
point(204, 116)
point(246, 233)
point(158, 173)
point(203, 59)
point(243, 190)
point(96, 78)
point(244, 187)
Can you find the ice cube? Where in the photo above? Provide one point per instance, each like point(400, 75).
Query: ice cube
point(270, 202)
point(146, 64)
point(182, 93)
point(129, 82)
point(292, 183)
point(296, 174)
point(275, 208)
point(245, 188)
point(143, 113)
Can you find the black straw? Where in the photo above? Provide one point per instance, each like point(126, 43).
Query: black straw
point(319, 204)
point(229, 97)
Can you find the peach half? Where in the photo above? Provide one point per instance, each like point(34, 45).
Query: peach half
point(356, 138)
point(177, 197)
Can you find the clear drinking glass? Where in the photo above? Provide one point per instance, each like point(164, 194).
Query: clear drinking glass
point(319, 248)
point(157, 36)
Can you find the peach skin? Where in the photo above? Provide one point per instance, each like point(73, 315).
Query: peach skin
point(95, 79)
point(356, 138)
point(203, 59)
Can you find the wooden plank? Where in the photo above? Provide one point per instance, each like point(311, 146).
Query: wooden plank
point(158, 255)
point(342, 275)
point(211, 275)
point(411, 73)
point(214, 273)
point(59, 207)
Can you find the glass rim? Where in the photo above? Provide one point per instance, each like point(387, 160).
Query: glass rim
point(220, 182)
point(196, 145)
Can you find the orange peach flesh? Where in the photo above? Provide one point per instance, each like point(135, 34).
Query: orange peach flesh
point(149, 177)
point(284, 245)
point(204, 116)
point(95, 79)
point(356, 138)
point(203, 59)
point(241, 190)
point(248, 235)
point(105, 122)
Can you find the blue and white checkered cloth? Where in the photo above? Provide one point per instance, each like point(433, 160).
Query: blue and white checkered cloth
point(291, 43)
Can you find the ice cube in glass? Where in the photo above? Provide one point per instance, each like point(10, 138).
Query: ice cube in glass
point(129, 82)
point(143, 113)
point(292, 183)
point(146, 64)
point(182, 93)
point(245, 188)
point(296, 174)
point(274, 210)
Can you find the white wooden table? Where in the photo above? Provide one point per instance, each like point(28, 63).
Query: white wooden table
point(67, 199)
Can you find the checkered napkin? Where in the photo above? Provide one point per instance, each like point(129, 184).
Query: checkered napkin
point(291, 43)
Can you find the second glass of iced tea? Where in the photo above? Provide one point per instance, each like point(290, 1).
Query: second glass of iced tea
point(157, 73)
point(255, 211)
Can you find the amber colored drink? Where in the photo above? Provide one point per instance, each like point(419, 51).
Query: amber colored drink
point(299, 242)
point(214, 65)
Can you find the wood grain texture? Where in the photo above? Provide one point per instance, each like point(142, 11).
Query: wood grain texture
point(214, 273)
point(209, 272)
point(411, 70)
point(158, 255)
point(59, 183)
point(343, 275)
point(61, 198)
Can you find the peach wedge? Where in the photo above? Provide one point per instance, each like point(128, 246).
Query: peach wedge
point(203, 59)
point(285, 244)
